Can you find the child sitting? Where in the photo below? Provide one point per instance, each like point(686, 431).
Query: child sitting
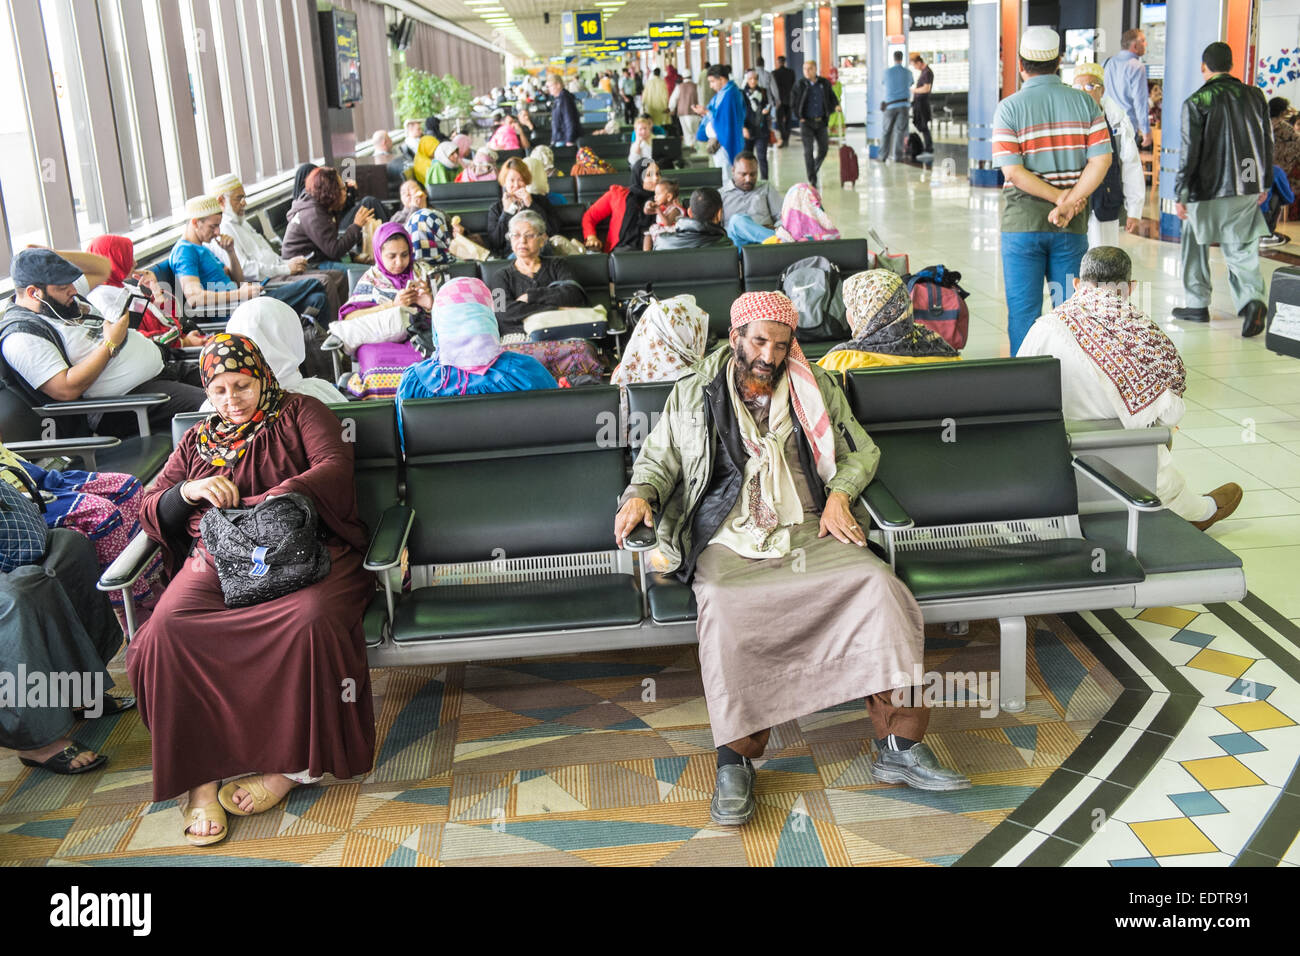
point(642, 137)
point(667, 205)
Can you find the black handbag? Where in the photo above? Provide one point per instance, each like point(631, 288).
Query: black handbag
point(267, 551)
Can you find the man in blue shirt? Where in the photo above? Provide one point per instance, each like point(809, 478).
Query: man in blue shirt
point(898, 85)
point(205, 284)
point(1126, 83)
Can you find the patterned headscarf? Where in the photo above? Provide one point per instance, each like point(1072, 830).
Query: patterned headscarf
point(1131, 350)
point(589, 164)
point(465, 329)
point(809, 406)
point(430, 236)
point(221, 442)
point(447, 154)
point(669, 338)
point(802, 217)
point(880, 318)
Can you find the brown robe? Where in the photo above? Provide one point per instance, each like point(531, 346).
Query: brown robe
point(263, 688)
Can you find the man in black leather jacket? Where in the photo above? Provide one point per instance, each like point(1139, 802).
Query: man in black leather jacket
point(1227, 164)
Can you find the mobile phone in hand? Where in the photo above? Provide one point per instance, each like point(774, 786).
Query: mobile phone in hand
point(135, 309)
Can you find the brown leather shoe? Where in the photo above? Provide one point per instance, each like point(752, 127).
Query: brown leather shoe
point(1227, 497)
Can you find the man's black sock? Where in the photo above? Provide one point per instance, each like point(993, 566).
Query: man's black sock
point(728, 756)
point(895, 742)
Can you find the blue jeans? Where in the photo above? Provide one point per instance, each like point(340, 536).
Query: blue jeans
point(1029, 258)
point(743, 231)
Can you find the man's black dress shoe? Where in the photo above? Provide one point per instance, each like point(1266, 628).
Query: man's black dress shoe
point(1253, 318)
point(1192, 315)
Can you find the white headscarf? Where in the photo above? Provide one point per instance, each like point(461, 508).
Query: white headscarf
point(276, 330)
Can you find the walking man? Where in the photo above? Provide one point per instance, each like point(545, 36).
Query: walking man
point(785, 79)
point(1226, 165)
point(921, 116)
point(814, 102)
point(1126, 79)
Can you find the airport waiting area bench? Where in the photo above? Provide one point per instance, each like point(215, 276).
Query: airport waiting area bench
point(505, 503)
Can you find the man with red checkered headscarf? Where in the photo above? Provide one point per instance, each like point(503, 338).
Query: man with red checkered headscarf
point(749, 480)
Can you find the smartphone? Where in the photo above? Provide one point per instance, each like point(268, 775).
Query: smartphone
point(135, 309)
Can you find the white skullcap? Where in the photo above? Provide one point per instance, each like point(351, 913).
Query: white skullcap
point(201, 207)
point(1040, 44)
point(224, 184)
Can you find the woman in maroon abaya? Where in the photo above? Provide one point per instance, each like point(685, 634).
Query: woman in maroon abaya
point(280, 687)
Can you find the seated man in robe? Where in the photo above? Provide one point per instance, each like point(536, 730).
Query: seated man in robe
point(1117, 363)
point(751, 472)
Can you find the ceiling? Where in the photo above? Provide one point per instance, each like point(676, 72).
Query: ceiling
point(526, 34)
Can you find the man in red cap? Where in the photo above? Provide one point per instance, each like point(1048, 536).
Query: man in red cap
point(749, 480)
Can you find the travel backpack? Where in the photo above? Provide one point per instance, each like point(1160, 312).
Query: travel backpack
point(1108, 199)
point(813, 285)
point(915, 147)
point(848, 166)
point(939, 303)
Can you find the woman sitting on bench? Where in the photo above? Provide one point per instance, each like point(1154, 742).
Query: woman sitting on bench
point(280, 685)
point(628, 210)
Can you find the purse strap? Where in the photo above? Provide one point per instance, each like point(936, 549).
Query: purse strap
point(32, 490)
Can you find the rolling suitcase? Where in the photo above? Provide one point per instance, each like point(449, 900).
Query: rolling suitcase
point(848, 166)
point(1282, 333)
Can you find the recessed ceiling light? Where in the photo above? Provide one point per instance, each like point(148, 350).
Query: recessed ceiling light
point(715, 4)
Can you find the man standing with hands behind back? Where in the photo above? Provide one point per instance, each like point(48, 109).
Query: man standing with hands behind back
point(1053, 146)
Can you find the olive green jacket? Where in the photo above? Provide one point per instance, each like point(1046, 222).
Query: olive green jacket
point(672, 471)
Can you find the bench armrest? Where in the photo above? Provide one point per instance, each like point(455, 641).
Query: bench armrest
point(640, 539)
point(1116, 483)
point(389, 540)
point(1135, 497)
point(884, 508)
point(63, 446)
point(126, 568)
point(139, 403)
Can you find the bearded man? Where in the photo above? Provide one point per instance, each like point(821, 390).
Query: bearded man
point(752, 472)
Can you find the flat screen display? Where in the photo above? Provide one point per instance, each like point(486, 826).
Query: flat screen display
point(342, 58)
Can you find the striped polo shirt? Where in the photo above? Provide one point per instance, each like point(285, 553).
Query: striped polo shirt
point(1052, 130)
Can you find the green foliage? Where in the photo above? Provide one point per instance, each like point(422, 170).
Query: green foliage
point(420, 94)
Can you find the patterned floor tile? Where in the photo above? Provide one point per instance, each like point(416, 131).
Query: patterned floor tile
point(1222, 773)
point(1172, 837)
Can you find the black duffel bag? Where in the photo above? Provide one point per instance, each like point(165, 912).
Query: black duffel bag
point(267, 551)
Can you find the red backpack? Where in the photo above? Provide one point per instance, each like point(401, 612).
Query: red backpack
point(939, 303)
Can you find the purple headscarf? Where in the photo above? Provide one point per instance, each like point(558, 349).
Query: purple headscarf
point(385, 232)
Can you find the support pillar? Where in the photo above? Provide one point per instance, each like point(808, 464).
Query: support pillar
point(983, 22)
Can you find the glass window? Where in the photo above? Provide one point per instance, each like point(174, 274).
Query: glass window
point(166, 106)
point(128, 124)
point(74, 115)
point(194, 40)
point(20, 175)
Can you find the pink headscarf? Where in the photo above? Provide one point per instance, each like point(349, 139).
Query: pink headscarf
point(802, 217)
point(809, 406)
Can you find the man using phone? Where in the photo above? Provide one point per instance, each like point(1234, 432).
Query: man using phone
point(55, 347)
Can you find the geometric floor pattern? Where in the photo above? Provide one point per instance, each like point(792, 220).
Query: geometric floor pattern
point(598, 759)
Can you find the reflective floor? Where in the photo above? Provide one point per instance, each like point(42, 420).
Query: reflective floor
point(1153, 737)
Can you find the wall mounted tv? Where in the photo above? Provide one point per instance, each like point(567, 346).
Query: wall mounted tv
point(341, 54)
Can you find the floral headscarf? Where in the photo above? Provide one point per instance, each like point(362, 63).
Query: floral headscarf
point(669, 338)
point(589, 164)
point(802, 217)
point(547, 156)
point(221, 442)
point(879, 310)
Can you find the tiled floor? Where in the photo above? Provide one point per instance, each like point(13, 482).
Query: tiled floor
point(1183, 750)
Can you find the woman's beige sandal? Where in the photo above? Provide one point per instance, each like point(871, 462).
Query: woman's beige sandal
point(263, 799)
point(200, 817)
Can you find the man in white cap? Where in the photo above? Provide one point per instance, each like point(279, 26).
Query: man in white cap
point(258, 261)
point(205, 283)
point(1052, 145)
point(1125, 187)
